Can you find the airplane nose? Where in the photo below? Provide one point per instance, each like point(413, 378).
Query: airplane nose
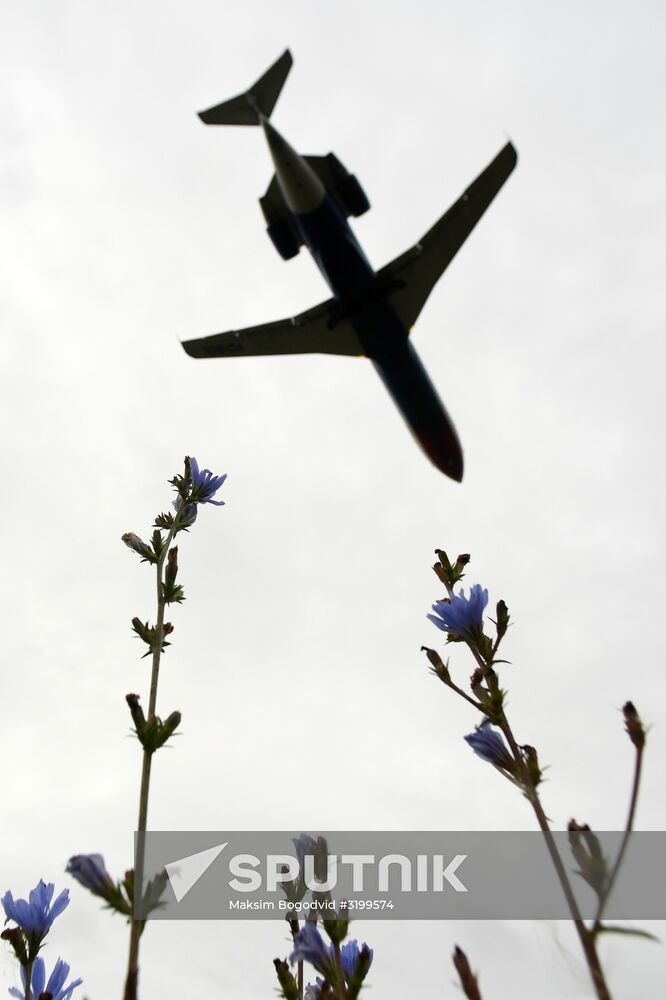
point(450, 462)
point(441, 445)
point(455, 468)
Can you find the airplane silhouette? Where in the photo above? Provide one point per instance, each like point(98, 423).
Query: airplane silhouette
point(371, 312)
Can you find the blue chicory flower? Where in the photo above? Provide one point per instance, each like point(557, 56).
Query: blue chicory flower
point(90, 871)
point(189, 514)
point(313, 990)
point(349, 953)
point(55, 986)
point(489, 745)
point(461, 616)
point(36, 915)
point(204, 484)
point(309, 947)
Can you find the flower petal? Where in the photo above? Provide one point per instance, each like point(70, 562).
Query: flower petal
point(61, 903)
point(38, 978)
point(58, 977)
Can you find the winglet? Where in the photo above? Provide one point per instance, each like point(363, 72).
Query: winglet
point(256, 103)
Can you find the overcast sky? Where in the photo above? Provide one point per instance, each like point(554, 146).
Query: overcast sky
point(306, 703)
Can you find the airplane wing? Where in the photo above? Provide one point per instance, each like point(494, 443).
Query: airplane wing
point(410, 278)
point(316, 331)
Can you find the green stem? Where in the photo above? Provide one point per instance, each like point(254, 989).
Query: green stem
point(28, 979)
point(294, 927)
point(132, 979)
point(625, 839)
point(463, 694)
point(341, 975)
point(585, 935)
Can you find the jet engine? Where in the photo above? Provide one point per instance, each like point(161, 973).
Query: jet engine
point(352, 196)
point(284, 239)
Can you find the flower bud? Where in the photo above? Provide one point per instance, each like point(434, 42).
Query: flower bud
point(336, 929)
point(438, 667)
point(586, 849)
point(167, 729)
point(359, 971)
point(16, 939)
point(502, 619)
point(634, 725)
point(447, 573)
point(477, 686)
point(443, 568)
point(137, 545)
point(90, 871)
point(157, 542)
point(468, 980)
point(148, 634)
point(171, 591)
point(460, 564)
point(138, 717)
point(531, 759)
point(171, 566)
point(288, 984)
point(142, 630)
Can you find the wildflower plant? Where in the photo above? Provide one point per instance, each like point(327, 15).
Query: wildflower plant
point(342, 967)
point(34, 918)
point(194, 488)
point(461, 617)
point(56, 987)
point(324, 963)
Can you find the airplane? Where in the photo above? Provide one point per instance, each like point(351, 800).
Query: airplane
point(371, 313)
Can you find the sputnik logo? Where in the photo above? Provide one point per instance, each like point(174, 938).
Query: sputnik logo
point(186, 872)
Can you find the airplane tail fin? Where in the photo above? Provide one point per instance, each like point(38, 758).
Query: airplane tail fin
point(256, 103)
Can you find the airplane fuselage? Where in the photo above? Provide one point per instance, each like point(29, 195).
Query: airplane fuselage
point(352, 280)
point(370, 313)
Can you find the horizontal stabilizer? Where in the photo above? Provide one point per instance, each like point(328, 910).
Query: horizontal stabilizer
point(258, 101)
point(316, 331)
point(409, 279)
